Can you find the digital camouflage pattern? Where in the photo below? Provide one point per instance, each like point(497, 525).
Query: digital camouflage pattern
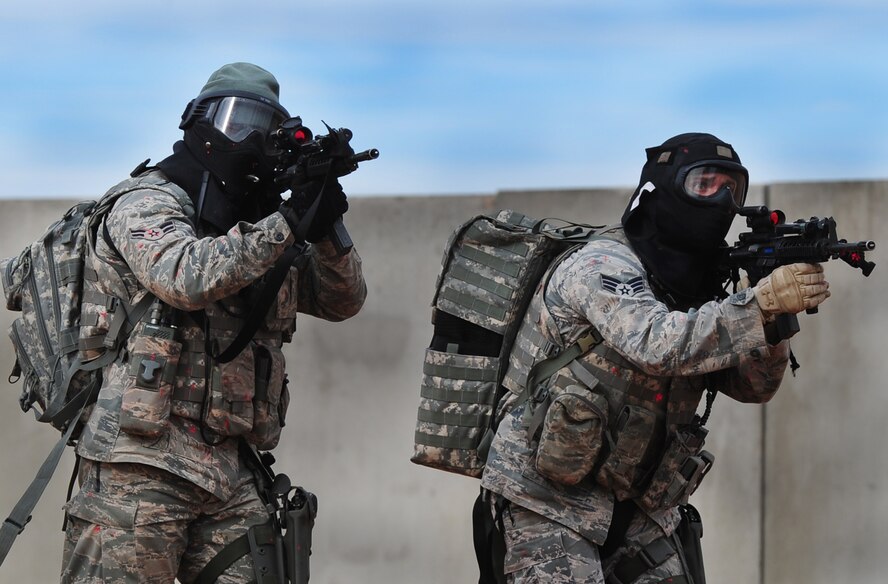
point(136, 523)
point(486, 267)
point(490, 267)
point(542, 551)
point(454, 410)
point(572, 435)
point(45, 283)
point(191, 273)
point(651, 369)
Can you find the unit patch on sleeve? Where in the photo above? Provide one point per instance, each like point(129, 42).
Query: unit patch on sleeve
point(631, 287)
point(153, 233)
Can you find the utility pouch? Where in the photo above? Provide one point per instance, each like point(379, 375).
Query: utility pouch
point(302, 508)
point(270, 400)
point(456, 403)
point(682, 467)
point(145, 406)
point(572, 435)
point(231, 395)
point(689, 533)
point(622, 468)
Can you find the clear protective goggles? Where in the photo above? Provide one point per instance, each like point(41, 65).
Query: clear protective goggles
point(710, 183)
point(238, 117)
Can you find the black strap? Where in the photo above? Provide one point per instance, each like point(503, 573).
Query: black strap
point(263, 301)
point(629, 569)
point(489, 540)
point(274, 279)
point(238, 548)
point(624, 511)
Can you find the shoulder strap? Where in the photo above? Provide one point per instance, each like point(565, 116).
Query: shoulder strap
point(533, 417)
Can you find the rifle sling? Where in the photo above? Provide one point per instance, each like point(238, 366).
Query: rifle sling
point(263, 301)
point(273, 282)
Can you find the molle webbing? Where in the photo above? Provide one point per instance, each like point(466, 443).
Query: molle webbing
point(455, 399)
point(484, 274)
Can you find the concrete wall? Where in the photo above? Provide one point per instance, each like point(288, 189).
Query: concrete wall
point(798, 493)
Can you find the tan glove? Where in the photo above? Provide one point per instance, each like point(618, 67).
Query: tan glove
point(792, 289)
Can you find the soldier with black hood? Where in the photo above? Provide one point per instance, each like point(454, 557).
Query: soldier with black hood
point(163, 481)
point(594, 495)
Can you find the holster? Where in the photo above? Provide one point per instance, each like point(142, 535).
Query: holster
point(690, 532)
point(280, 548)
point(302, 508)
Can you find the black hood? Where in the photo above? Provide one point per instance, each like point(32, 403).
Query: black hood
point(214, 205)
point(677, 237)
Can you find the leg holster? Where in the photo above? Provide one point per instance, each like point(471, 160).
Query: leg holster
point(263, 544)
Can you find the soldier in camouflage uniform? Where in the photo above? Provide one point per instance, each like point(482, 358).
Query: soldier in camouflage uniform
point(585, 478)
point(162, 485)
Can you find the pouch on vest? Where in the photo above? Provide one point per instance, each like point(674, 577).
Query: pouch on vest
point(572, 435)
point(145, 406)
point(271, 399)
point(622, 469)
point(454, 410)
point(231, 395)
point(680, 471)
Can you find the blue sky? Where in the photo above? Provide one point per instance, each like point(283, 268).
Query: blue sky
point(459, 96)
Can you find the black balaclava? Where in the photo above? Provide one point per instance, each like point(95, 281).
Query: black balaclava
point(218, 208)
point(226, 159)
point(677, 234)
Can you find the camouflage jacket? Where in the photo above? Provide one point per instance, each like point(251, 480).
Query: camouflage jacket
point(148, 244)
point(650, 356)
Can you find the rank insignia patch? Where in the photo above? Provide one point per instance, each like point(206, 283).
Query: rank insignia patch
point(153, 233)
point(631, 287)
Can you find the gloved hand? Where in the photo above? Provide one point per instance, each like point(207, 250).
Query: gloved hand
point(333, 205)
point(791, 289)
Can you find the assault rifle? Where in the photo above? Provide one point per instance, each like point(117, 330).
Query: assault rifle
point(772, 242)
point(306, 157)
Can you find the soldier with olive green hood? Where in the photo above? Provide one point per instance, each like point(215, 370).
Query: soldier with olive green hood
point(163, 480)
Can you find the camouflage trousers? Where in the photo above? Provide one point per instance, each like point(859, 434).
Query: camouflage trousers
point(542, 551)
point(135, 523)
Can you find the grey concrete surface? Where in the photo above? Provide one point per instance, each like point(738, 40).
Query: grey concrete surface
point(797, 493)
point(826, 481)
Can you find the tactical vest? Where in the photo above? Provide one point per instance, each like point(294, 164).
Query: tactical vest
point(600, 415)
point(167, 353)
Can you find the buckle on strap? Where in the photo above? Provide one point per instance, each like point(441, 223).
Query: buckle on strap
point(628, 569)
point(656, 552)
point(16, 525)
point(589, 340)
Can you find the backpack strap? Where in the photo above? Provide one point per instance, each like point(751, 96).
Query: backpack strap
point(534, 416)
point(68, 415)
point(125, 319)
point(21, 513)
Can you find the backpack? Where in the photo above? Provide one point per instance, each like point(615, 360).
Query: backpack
point(45, 283)
point(491, 268)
